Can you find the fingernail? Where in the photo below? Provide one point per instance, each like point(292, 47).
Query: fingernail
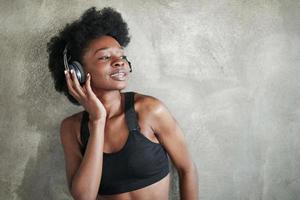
point(72, 71)
point(66, 72)
point(88, 75)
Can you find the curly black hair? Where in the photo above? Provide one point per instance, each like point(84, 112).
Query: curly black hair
point(91, 25)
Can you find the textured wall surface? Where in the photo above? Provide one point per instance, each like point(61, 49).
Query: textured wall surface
point(227, 70)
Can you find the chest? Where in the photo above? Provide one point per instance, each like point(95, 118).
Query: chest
point(116, 133)
point(131, 159)
point(139, 157)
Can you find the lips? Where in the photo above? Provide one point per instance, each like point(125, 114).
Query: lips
point(119, 75)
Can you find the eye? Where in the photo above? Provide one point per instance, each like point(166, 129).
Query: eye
point(124, 57)
point(104, 58)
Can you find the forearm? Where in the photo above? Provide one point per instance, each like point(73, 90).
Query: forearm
point(86, 181)
point(189, 184)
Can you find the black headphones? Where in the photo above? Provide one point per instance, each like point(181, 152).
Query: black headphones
point(77, 67)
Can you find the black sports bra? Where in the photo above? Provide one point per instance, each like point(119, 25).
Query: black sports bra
point(138, 164)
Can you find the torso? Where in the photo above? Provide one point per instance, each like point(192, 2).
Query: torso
point(115, 139)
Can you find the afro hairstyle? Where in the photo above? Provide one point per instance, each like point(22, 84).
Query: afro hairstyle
point(91, 25)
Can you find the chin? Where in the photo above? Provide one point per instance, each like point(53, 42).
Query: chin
point(115, 85)
point(119, 86)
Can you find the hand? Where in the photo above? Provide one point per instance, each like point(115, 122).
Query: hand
point(85, 96)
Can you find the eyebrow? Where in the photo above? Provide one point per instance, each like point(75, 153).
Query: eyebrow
point(105, 48)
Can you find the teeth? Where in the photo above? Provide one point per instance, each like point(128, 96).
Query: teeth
point(119, 74)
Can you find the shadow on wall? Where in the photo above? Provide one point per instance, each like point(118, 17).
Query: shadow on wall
point(44, 175)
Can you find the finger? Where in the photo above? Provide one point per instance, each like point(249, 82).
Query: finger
point(70, 85)
point(88, 85)
point(77, 85)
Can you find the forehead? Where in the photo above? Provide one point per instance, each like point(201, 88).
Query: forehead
point(101, 44)
point(104, 42)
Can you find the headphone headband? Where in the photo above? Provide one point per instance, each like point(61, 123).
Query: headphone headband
point(65, 58)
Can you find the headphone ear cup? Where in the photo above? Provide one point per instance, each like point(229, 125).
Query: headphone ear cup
point(78, 69)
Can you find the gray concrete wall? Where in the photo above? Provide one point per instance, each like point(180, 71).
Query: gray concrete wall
point(227, 70)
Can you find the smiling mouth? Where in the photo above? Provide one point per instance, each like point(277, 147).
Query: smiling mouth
point(119, 76)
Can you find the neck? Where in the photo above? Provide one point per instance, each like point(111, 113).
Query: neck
point(112, 101)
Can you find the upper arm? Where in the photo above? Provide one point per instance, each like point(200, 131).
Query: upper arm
point(71, 149)
point(170, 136)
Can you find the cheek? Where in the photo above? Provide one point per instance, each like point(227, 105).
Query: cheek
point(98, 70)
point(94, 65)
point(99, 76)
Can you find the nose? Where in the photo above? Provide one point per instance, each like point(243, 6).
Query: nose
point(118, 63)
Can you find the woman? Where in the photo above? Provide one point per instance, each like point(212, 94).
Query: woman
point(118, 147)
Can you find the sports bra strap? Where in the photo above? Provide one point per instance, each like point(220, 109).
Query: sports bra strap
point(130, 114)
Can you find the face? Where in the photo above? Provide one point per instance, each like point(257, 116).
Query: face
point(105, 60)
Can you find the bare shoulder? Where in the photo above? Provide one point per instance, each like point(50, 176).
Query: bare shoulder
point(70, 127)
point(69, 132)
point(149, 108)
point(147, 103)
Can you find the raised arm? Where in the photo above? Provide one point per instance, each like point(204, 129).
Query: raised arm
point(83, 172)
